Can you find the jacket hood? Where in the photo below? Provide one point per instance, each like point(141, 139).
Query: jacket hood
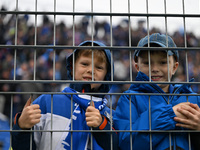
point(104, 88)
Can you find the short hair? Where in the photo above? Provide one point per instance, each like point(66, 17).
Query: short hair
point(97, 53)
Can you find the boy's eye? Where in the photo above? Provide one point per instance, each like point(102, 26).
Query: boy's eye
point(163, 62)
point(99, 67)
point(84, 63)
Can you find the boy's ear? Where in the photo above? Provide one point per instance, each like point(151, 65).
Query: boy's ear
point(136, 67)
point(175, 67)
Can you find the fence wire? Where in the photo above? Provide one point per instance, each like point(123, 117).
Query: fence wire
point(33, 60)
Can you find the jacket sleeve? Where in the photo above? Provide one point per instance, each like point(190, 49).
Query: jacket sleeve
point(161, 119)
point(21, 139)
point(195, 136)
point(105, 138)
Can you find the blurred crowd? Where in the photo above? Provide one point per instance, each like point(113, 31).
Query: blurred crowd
point(64, 36)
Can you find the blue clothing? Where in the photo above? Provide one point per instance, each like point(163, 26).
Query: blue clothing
point(162, 116)
point(60, 119)
point(4, 136)
point(65, 112)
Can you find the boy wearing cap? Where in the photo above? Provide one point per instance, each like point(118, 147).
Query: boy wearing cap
point(59, 112)
point(157, 112)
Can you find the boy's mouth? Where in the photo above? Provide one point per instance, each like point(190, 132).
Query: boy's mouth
point(156, 78)
point(87, 78)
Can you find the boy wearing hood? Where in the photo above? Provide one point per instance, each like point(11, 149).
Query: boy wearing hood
point(58, 114)
point(159, 111)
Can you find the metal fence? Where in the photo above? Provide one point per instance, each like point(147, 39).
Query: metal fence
point(34, 45)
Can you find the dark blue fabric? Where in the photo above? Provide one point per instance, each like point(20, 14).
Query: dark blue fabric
point(62, 107)
point(162, 116)
point(4, 136)
point(21, 140)
point(80, 138)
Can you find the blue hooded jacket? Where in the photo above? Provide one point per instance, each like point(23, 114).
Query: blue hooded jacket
point(162, 116)
point(68, 106)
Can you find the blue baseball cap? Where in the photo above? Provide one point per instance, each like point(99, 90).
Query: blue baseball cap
point(159, 39)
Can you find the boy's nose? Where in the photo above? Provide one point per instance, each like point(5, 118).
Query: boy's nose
point(154, 68)
point(89, 70)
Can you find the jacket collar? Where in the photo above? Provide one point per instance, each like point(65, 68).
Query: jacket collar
point(154, 88)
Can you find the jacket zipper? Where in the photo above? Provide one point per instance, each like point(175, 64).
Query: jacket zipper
point(156, 90)
point(174, 137)
point(159, 92)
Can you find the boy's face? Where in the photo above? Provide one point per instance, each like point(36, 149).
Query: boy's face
point(83, 70)
point(159, 67)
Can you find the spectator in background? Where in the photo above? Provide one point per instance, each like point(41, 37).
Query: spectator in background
point(64, 36)
point(2, 26)
point(4, 125)
point(4, 136)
